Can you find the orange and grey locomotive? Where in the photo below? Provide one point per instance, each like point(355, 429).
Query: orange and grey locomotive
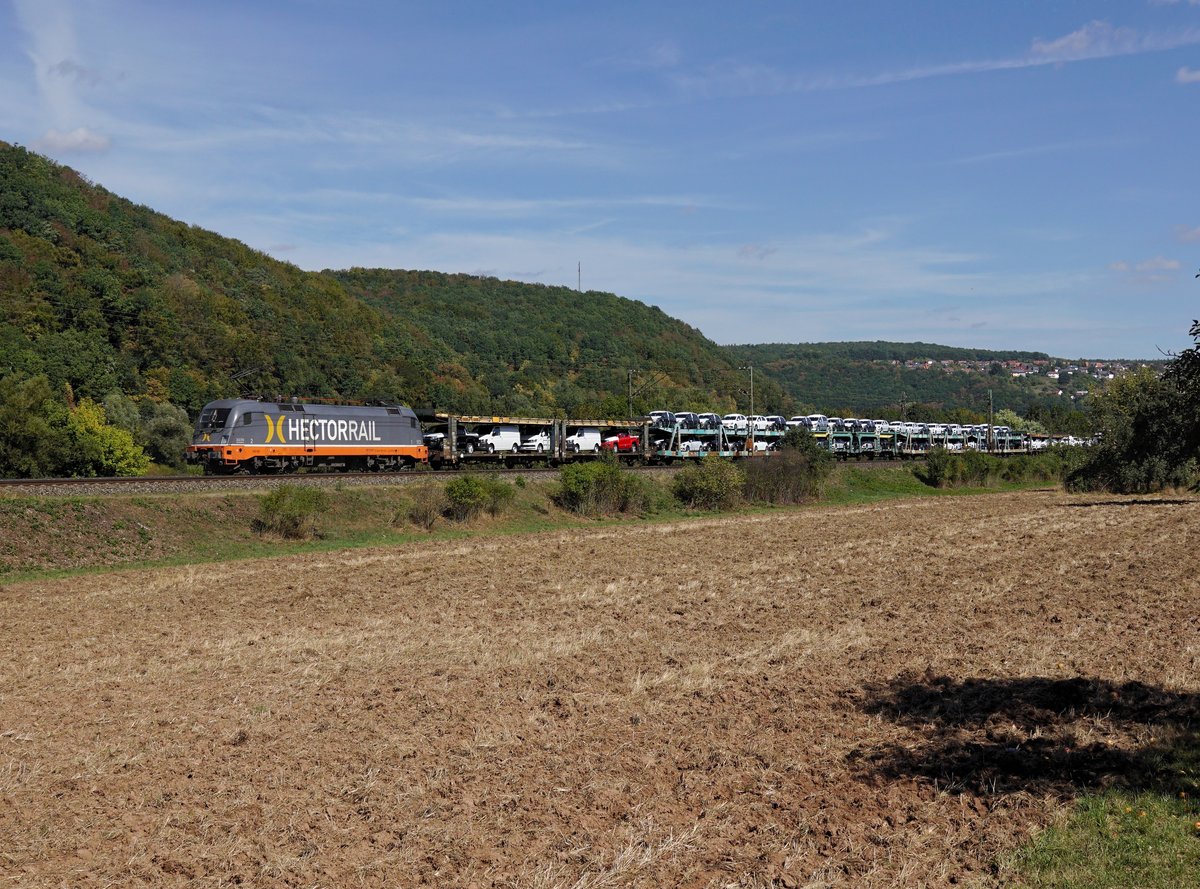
point(249, 435)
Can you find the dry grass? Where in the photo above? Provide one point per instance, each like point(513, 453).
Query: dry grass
point(748, 701)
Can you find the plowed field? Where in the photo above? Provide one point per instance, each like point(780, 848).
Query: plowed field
point(871, 696)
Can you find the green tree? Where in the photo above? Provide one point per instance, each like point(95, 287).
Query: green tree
point(164, 432)
point(96, 448)
point(161, 429)
point(29, 444)
point(1010, 418)
point(1146, 431)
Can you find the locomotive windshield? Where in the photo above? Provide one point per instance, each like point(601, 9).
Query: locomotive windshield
point(212, 418)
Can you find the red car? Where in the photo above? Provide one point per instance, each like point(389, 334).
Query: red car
point(623, 443)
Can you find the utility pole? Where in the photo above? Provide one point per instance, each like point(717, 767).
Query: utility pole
point(579, 277)
point(750, 367)
point(750, 424)
point(991, 410)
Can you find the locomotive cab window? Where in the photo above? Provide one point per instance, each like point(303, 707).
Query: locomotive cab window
point(247, 418)
point(213, 418)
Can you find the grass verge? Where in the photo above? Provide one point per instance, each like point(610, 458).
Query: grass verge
point(48, 536)
point(1149, 838)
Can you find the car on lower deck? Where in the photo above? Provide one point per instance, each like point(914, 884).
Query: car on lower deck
point(536, 442)
point(622, 443)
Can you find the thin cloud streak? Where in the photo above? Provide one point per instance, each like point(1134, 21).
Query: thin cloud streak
point(1029, 151)
point(1095, 40)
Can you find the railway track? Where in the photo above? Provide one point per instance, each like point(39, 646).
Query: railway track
point(169, 484)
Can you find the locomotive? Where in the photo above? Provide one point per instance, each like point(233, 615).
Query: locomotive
point(259, 436)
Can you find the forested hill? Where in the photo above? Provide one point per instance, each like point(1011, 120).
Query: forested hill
point(875, 378)
point(101, 295)
point(878, 350)
point(532, 345)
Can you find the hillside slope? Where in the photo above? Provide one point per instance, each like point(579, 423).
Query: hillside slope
point(532, 345)
point(101, 294)
point(876, 378)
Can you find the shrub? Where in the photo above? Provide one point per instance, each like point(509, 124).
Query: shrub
point(797, 438)
point(499, 494)
point(428, 503)
point(710, 483)
point(291, 511)
point(943, 469)
point(468, 495)
point(601, 487)
point(975, 469)
point(465, 497)
point(939, 469)
point(794, 474)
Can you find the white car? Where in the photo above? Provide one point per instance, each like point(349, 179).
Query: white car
point(735, 422)
point(584, 441)
point(500, 438)
point(537, 442)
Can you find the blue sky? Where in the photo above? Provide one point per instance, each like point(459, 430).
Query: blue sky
point(1003, 175)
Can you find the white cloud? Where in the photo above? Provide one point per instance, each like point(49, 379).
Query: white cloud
point(1156, 270)
point(1187, 235)
point(80, 139)
point(1187, 75)
point(1157, 264)
point(59, 74)
point(663, 54)
point(1096, 39)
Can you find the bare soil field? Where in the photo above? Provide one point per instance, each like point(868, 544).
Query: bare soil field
point(861, 696)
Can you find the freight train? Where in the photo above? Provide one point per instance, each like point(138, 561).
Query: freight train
point(259, 436)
